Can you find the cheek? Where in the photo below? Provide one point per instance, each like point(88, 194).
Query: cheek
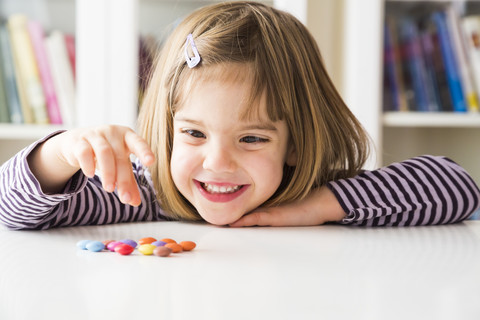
point(181, 165)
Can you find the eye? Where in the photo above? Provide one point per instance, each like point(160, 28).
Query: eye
point(253, 139)
point(194, 133)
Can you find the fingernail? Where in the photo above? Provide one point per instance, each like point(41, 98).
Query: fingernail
point(110, 188)
point(126, 197)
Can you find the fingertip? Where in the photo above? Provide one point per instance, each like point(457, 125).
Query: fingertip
point(148, 159)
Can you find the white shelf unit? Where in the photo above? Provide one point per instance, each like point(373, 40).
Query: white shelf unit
point(409, 134)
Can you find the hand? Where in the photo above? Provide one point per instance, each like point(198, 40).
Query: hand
point(318, 207)
point(104, 149)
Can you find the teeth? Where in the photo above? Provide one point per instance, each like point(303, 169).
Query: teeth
point(223, 189)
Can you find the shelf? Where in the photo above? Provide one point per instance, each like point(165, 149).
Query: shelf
point(431, 119)
point(26, 132)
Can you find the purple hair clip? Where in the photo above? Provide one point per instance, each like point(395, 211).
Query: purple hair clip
point(191, 61)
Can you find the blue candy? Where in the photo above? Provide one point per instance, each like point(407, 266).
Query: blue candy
point(82, 244)
point(95, 246)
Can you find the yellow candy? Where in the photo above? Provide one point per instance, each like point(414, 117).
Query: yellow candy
point(146, 249)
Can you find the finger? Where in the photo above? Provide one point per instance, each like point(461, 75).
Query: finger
point(105, 160)
point(139, 147)
point(126, 185)
point(256, 218)
point(85, 158)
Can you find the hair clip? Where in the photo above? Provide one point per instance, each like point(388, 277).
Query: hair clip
point(191, 61)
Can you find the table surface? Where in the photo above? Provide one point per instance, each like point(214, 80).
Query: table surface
point(324, 272)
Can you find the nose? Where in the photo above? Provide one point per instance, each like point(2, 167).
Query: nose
point(219, 158)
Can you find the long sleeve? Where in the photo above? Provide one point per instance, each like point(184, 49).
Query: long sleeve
point(424, 190)
point(83, 201)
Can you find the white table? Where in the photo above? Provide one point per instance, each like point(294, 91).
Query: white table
point(326, 272)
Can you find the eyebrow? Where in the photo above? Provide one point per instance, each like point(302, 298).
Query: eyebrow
point(268, 126)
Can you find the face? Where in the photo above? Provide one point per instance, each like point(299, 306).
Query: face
point(223, 165)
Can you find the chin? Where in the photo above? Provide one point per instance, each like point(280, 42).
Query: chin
point(219, 220)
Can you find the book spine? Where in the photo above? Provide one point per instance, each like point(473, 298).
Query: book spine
point(70, 44)
point(471, 28)
point(463, 63)
point(62, 75)
point(449, 58)
point(27, 69)
point(10, 81)
point(414, 61)
point(38, 37)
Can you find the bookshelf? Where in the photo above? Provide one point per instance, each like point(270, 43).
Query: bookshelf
point(406, 134)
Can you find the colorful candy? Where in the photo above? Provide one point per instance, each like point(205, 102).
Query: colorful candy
point(159, 243)
point(176, 248)
point(188, 245)
point(130, 242)
point(95, 246)
point(146, 249)
point(124, 249)
point(82, 244)
point(147, 246)
point(146, 240)
point(111, 246)
point(162, 251)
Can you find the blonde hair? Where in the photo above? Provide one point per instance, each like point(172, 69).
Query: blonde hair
point(286, 63)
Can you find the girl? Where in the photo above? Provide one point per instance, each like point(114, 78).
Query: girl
point(240, 126)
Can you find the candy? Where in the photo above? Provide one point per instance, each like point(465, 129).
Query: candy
point(82, 244)
point(168, 240)
point(130, 242)
point(146, 249)
point(188, 245)
point(106, 242)
point(95, 246)
point(111, 246)
point(162, 251)
point(176, 248)
point(124, 249)
point(159, 243)
point(146, 240)
point(146, 246)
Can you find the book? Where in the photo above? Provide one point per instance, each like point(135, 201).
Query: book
point(450, 61)
point(70, 44)
point(4, 112)
point(415, 64)
point(471, 29)
point(62, 75)
point(8, 72)
point(458, 43)
point(37, 37)
point(28, 79)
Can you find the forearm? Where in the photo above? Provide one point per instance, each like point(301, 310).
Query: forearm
point(420, 191)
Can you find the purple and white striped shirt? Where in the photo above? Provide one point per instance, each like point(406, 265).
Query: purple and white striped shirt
point(420, 191)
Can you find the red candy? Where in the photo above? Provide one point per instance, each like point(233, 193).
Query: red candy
point(124, 249)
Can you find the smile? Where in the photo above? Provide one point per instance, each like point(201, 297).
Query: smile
point(220, 192)
point(219, 189)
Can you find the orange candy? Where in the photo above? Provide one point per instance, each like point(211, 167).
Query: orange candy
point(176, 248)
point(188, 245)
point(147, 240)
point(168, 240)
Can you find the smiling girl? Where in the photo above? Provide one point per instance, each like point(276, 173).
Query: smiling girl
point(240, 126)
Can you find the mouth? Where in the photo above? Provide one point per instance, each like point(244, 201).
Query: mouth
point(218, 192)
point(216, 189)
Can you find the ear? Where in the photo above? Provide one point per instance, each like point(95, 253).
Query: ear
point(291, 159)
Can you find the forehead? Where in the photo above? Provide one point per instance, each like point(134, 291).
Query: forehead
point(228, 74)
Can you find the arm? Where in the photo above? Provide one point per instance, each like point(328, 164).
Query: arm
point(80, 201)
point(424, 190)
point(420, 191)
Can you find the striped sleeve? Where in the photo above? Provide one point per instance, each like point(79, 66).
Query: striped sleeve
point(83, 201)
point(425, 190)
